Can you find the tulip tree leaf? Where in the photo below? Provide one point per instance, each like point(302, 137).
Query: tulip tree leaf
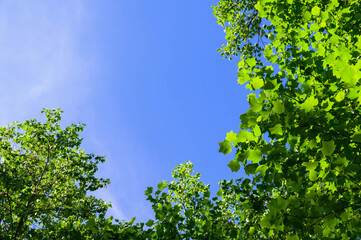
point(328, 147)
point(234, 165)
point(225, 147)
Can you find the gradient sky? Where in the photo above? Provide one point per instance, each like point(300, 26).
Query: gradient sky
point(144, 76)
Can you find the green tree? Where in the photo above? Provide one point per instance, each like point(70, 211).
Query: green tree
point(300, 140)
point(184, 208)
point(45, 178)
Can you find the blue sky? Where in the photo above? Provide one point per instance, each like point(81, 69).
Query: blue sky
point(145, 77)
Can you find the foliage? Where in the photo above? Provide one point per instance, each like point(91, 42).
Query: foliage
point(44, 180)
point(184, 208)
point(300, 139)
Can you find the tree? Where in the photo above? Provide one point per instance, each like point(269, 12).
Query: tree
point(300, 140)
point(184, 208)
point(45, 178)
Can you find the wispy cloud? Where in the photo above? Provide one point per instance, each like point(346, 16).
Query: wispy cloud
point(40, 62)
point(125, 167)
point(115, 210)
point(45, 62)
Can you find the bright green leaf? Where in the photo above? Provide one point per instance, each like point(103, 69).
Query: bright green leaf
point(315, 11)
point(231, 137)
point(277, 129)
point(162, 185)
point(251, 62)
point(257, 131)
point(278, 107)
point(340, 96)
point(257, 82)
point(254, 155)
point(309, 104)
point(313, 175)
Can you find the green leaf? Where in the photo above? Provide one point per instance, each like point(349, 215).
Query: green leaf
point(240, 64)
point(340, 96)
point(250, 168)
point(324, 15)
point(257, 131)
point(331, 221)
point(148, 191)
point(219, 192)
point(149, 223)
point(327, 105)
point(254, 104)
point(162, 185)
point(251, 62)
point(356, 136)
point(278, 107)
point(90, 223)
point(310, 166)
point(352, 94)
point(313, 175)
point(345, 216)
point(234, 165)
point(328, 147)
point(309, 104)
point(225, 147)
point(254, 155)
point(268, 51)
point(243, 76)
point(243, 136)
point(188, 213)
point(307, 15)
point(262, 169)
point(312, 144)
point(277, 129)
point(318, 36)
point(315, 11)
point(292, 237)
point(231, 137)
point(257, 82)
point(266, 221)
point(131, 221)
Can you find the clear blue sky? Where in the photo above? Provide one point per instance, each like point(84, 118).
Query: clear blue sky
point(145, 77)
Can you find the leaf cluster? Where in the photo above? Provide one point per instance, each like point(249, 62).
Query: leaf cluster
point(300, 138)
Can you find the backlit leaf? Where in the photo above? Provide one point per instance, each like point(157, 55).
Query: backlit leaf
point(278, 107)
point(254, 155)
point(315, 11)
point(309, 104)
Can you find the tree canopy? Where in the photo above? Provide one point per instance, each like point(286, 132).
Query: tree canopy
point(44, 180)
point(300, 138)
point(299, 143)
